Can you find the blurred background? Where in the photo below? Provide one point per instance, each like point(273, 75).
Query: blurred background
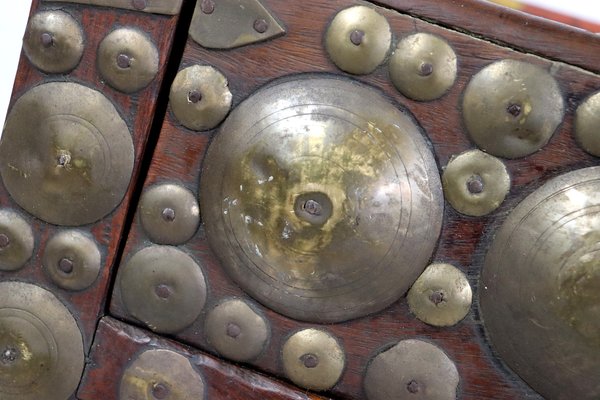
point(584, 14)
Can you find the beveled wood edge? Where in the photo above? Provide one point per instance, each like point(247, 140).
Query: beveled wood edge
point(509, 27)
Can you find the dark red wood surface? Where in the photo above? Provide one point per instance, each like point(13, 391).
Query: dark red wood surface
point(464, 240)
point(116, 344)
point(512, 28)
point(137, 110)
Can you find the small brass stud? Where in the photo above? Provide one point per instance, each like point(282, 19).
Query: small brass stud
point(587, 123)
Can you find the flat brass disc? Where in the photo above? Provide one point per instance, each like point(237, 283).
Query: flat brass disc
point(321, 198)
point(441, 296)
point(358, 39)
point(539, 288)
point(128, 60)
point(16, 241)
point(53, 41)
point(587, 125)
point(66, 155)
point(41, 348)
point(163, 287)
point(169, 214)
point(72, 260)
point(236, 331)
point(200, 98)
point(512, 108)
point(161, 374)
point(475, 183)
point(423, 67)
point(412, 369)
point(313, 359)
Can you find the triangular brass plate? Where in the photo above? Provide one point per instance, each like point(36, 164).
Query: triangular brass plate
point(226, 24)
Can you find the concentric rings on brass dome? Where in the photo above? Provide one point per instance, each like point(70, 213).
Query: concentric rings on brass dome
point(53, 41)
point(539, 287)
point(161, 374)
point(423, 67)
point(412, 369)
point(128, 60)
point(16, 241)
point(322, 199)
point(162, 287)
point(41, 348)
point(66, 155)
point(358, 39)
point(512, 108)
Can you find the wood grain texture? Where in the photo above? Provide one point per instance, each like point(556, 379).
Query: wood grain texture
point(137, 110)
point(464, 240)
point(510, 27)
point(117, 344)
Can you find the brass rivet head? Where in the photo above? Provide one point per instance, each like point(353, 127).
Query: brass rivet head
point(123, 61)
point(587, 121)
point(168, 214)
point(46, 39)
point(411, 369)
point(313, 359)
point(66, 265)
point(207, 6)
point(233, 330)
point(345, 39)
point(512, 108)
point(357, 36)
point(139, 4)
point(413, 387)
point(441, 296)
point(261, 25)
point(475, 183)
point(53, 41)
point(309, 360)
point(160, 391)
point(4, 241)
point(423, 67)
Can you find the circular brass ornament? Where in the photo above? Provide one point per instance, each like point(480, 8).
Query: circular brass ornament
point(322, 199)
point(441, 296)
point(423, 67)
point(53, 41)
point(161, 374)
point(412, 369)
point(16, 241)
point(313, 359)
point(587, 125)
point(169, 214)
point(200, 97)
point(66, 155)
point(539, 287)
point(128, 60)
point(512, 108)
point(475, 183)
point(358, 39)
point(72, 260)
point(236, 331)
point(164, 288)
point(41, 348)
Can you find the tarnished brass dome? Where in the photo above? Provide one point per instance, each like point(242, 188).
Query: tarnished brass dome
point(322, 199)
point(539, 290)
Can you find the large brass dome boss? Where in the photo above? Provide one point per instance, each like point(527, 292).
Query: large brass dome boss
point(322, 199)
point(66, 155)
point(539, 289)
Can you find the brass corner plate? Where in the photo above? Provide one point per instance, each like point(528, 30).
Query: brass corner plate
point(166, 7)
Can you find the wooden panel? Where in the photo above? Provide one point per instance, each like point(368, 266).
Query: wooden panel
point(464, 240)
point(117, 344)
point(137, 110)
